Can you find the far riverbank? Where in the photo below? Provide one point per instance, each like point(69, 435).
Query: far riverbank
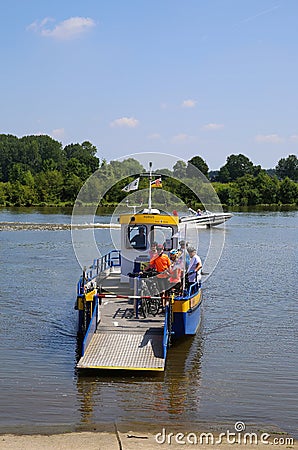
point(109, 209)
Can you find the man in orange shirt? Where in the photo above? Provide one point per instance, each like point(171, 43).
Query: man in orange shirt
point(161, 262)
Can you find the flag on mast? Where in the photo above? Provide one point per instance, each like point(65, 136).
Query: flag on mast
point(156, 183)
point(133, 186)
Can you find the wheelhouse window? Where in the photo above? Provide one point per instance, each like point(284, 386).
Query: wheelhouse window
point(137, 237)
point(162, 235)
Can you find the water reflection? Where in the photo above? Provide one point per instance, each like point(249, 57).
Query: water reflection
point(128, 396)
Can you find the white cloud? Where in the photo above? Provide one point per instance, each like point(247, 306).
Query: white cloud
point(129, 122)
point(294, 138)
point(189, 103)
point(39, 25)
point(268, 138)
point(213, 126)
point(67, 29)
point(58, 133)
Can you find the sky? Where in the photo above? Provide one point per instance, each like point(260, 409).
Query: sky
point(194, 77)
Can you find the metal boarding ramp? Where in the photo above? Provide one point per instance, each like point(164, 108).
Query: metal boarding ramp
point(117, 339)
point(129, 351)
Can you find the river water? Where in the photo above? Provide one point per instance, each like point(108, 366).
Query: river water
point(242, 365)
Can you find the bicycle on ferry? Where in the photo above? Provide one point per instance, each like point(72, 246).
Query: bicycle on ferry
point(150, 301)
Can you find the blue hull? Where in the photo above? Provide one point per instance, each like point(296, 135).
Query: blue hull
point(186, 323)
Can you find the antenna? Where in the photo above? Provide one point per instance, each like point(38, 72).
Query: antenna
point(133, 206)
point(150, 189)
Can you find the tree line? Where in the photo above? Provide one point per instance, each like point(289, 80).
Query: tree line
point(241, 183)
point(38, 170)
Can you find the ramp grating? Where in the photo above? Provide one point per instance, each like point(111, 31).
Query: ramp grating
point(137, 351)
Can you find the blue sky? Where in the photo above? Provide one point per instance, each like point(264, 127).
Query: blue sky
point(194, 77)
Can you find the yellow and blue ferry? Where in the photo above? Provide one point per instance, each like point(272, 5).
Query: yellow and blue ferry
point(123, 320)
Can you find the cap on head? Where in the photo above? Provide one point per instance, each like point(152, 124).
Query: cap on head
point(184, 243)
point(191, 249)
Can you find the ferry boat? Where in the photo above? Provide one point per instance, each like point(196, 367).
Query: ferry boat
point(122, 318)
point(206, 218)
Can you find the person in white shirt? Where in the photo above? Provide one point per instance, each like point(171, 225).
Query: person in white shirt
point(195, 265)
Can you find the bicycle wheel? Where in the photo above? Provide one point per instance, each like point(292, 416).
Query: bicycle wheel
point(143, 307)
point(158, 301)
point(154, 306)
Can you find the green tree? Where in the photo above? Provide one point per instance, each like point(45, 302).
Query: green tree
point(30, 153)
point(117, 170)
point(288, 192)
point(179, 170)
point(268, 187)
point(249, 193)
point(37, 149)
point(20, 195)
point(49, 186)
point(16, 172)
point(49, 164)
point(224, 175)
point(228, 193)
point(236, 166)
point(223, 191)
point(126, 167)
point(166, 172)
point(85, 154)
point(76, 167)
point(9, 154)
point(28, 179)
point(200, 164)
point(106, 172)
point(2, 193)
point(288, 167)
point(71, 187)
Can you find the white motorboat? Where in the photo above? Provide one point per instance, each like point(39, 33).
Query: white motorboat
point(205, 218)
